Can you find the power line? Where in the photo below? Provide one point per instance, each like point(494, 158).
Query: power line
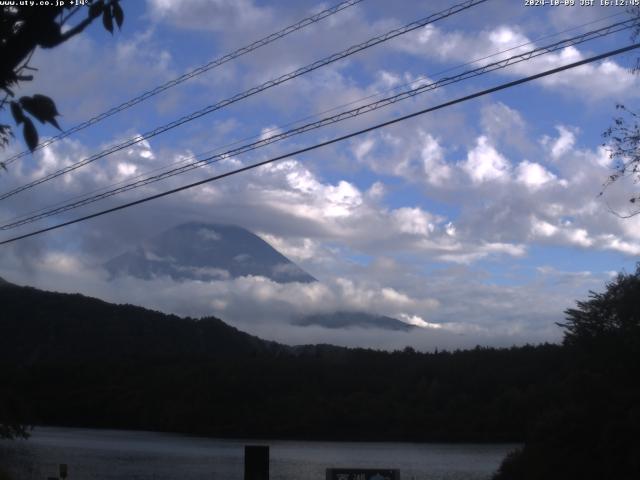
point(193, 73)
point(526, 56)
point(240, 96)
point(418, 79)
point(330, 142)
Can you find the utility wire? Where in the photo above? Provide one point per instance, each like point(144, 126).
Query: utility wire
point(330, 142)
point(188, 158)
point(240, 96)
point(193, 73)
point(220, 149)
point(526, 56)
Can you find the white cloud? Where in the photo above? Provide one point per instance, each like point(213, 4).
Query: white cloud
point(372, 220)
point(533, 175)
point(209, 234)
point(450, 229)
point(413, 221)
point(299, 249)
point(212, 15)
point(465, 257)
point(612, 242)
point(126, 169)
point(579, 236)
point(419, 321)
point(542, 228)
point(592, 82)
point(563, 144)
point(484, 163)
point(376, 191)
point(363, 147)
point(436, 170)
point(455, 302)
point(505, 125)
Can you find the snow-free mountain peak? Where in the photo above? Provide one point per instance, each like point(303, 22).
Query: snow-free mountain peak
point(205, 251)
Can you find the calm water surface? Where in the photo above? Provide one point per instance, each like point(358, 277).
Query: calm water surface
point(118, 454)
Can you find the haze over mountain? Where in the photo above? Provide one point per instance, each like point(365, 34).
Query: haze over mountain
point(209, 252)
point(353, 319)
point(79, 361)
point(201, 251)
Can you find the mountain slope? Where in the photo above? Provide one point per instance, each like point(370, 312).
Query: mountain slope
point(200, 251)
point(46, 326)
point(77, 361)
point(353, 319)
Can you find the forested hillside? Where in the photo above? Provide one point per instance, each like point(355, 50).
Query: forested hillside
point(79, 361)
point(40, 327)
point(76, 361)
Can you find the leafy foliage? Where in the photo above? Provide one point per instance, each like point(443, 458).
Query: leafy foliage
point(593, 430)
point(623, 139)
point(623, 142)
point(42, 108)
point(22, 30)
point(613, 314)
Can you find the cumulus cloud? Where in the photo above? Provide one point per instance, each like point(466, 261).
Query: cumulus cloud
point(506, 126)
point(484, 163)
point(435, 169)
point(508, 198)
point(593, 81)
point(418, 221)
point(87, 76)
point(212, 15)
point(444, 311)
point(533, 175)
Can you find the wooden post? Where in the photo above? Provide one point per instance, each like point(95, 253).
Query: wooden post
point(256, 462)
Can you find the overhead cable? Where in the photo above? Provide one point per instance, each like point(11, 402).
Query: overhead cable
point(186, 159)
point(252, 91)
point(193, 73)
point(355, 112)
point(328, 142)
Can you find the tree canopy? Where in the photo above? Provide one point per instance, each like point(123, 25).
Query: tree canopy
point(623, 141)
point(22, 30)
point(592, 429)
point(614, 313)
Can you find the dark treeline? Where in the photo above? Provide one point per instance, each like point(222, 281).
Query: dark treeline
point(592, 429)
point(76, 361)
point(468, 396)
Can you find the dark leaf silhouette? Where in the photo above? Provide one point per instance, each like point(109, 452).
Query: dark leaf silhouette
point(96, 9)
point(16, 111)
point(30, 134)
point(23, 29)
point(118, 14)
point(41, 107)
point(107, 20)
point(49, 34)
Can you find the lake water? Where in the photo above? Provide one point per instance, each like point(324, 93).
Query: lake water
point(117, 454)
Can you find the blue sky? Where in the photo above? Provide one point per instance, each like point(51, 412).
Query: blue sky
point(480, 222)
